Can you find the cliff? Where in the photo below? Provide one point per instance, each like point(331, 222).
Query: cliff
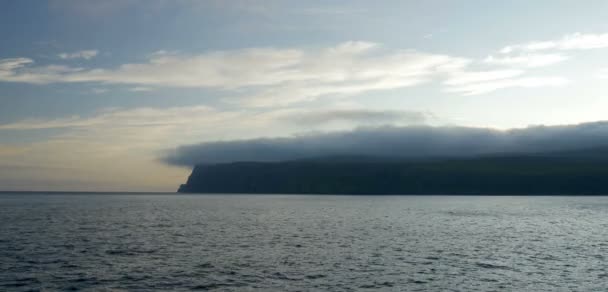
point(577, 173)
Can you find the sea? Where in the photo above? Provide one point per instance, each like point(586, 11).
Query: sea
point(175, 242)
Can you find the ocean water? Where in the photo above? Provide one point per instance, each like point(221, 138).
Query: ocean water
point(302, 243)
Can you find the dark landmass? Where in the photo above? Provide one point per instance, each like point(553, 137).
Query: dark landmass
point(583, 172)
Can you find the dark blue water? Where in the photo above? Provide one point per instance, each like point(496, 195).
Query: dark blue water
point(302, 243)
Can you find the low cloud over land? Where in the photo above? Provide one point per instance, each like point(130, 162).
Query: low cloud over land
point(405, 142)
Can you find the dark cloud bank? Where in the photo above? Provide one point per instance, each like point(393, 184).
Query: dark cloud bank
point(398, 142)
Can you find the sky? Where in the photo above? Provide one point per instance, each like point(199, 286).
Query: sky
point(95, 95)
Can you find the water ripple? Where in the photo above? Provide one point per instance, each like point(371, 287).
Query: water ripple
point(302, 243)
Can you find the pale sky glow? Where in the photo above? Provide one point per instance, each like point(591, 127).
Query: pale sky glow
point(93, 93)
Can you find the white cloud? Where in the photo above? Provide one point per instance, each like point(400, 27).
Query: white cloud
point(278, 77)
point(141, 89)
point(468, 77)
point(123, 118)
point(300, 92)
point(16, 70)
point(7, 65)
point(347, 62)
point(524, 82)
point(359, 115)
point(99, 90)
point(575, 41)
point(481, 82)
point(528, 60)
point(603, 74)
point(85, 54)
point(348, 68)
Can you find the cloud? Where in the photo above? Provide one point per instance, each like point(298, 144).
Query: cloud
point(603, 74)
point(149, 130)
point(137, 117)
point(575, 41)
point(528, 60)
point(14, 70)
point(525, 82)
point(299, 92)
point(481, 82)
point(163, 126)
point(346, 62)
point(140, 89)
point(86, 54)
point(117, 149)
point(8, 67)
point(470, 77)
point(406, 142)
point(360, 116)
point(154, 129)
point(99, 90)
point(278, 77)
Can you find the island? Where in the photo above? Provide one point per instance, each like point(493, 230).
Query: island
point(568, 173)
